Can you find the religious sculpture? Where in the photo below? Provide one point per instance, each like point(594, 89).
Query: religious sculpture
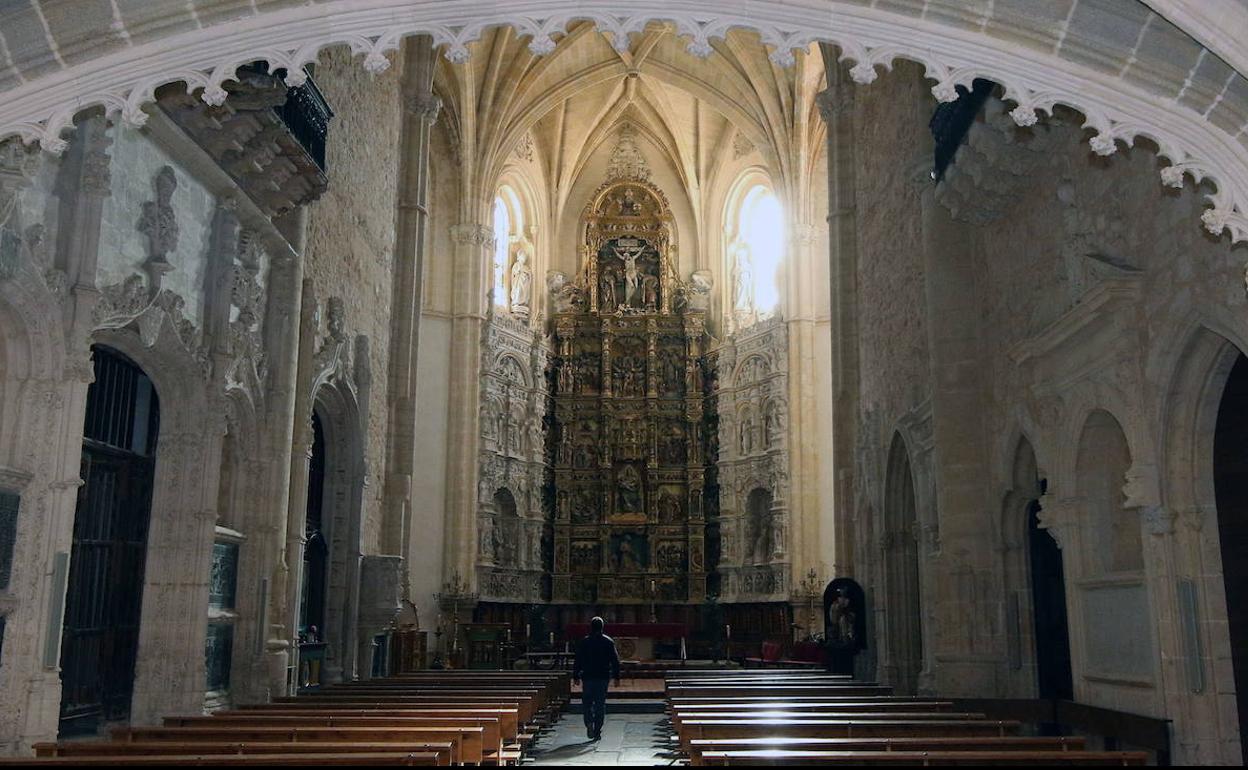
point(628, 254)
point(629, 485)
point(742, 277)
point(521, 283)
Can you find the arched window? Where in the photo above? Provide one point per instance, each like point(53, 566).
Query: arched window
point(513, 255)
point(502, 247)
point(755, 253)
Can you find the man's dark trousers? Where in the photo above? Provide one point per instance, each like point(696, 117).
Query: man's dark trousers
point(594, 700)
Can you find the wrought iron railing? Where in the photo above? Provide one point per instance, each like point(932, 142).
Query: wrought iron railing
point(305, 113)
point(951, 121)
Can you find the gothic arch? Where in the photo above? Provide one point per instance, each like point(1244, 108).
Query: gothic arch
point(1193, 401)
point(903, 646)
point(1022, 493)
point(170, 673)
point(335, 403)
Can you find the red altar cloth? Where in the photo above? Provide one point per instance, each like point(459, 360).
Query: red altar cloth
point(641, 630)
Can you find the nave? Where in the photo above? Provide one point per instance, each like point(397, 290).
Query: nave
point(717, 716)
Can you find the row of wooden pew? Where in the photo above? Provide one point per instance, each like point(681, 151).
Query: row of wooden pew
point(425, 718)
point(795, 717)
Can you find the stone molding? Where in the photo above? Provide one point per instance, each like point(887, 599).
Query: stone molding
point(124, 82)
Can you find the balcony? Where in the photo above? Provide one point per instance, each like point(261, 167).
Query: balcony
point(269, 138)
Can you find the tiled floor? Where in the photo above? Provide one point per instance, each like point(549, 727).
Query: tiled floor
point(636, 740)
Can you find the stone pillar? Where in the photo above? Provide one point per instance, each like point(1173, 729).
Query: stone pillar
point(281, 329)
point(474, 245)
point(288, 578)
point(835, 105)
point(421, 110)
point(963, 582)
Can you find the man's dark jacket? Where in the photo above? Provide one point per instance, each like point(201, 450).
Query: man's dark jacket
point(596, 658)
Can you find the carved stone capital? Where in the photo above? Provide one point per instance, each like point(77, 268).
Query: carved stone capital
point(473, 235)
point(834, 101)
point(1057, 516)
point(424, 106)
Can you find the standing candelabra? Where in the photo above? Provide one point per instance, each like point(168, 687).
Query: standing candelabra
point(808, 589)
point(454, 591)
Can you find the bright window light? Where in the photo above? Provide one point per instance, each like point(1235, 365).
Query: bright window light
point(502, 240)
point(761, 228)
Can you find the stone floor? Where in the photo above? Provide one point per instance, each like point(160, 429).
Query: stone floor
point(637, 740)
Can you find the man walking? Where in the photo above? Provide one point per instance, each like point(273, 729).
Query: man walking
point(596, 663)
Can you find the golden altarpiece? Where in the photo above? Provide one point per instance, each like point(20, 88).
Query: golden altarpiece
point(630, 424)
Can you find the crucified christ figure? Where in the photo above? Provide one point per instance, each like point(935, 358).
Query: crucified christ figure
point(632, 278)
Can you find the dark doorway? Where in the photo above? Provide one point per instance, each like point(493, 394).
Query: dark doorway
point(104, 595)
point(1048, 601)
point(316, 552)
point(1230, 481)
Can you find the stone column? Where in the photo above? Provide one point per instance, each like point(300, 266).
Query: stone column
point(964, 582)
point(474, 244)
point(835, 105)
point(421, 110)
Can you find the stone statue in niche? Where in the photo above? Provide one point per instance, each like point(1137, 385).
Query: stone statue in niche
point(742, 277)
point(606, 291)
point(669, 508)
point(629, 490)
point(521, 283)
point(485, 545)
point(650, 288)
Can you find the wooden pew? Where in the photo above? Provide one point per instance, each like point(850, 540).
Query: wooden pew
point(993, 758)
point(491, 733)
point(442, 751)
point(526, 708)
point(508, 718)
point(931, 715)
point(775, 691)
point(468, 745)
point(992, 743)
point(698, 729)
point(399, 759)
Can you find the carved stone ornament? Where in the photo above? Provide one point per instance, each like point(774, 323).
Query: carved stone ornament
point(159, 223)
point(626, 161)
point(424, 106)
point(132, 304)
point(834, 101)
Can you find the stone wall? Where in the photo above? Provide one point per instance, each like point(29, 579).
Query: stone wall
point(350, 238)
point(1086, 285)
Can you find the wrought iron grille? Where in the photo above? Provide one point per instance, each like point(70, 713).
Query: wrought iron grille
point(9, 503)
point(105, 588)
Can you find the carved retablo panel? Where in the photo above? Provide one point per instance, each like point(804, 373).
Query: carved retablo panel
point(629, 438)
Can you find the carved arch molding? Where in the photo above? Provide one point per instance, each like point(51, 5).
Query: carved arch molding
point(124, 80)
